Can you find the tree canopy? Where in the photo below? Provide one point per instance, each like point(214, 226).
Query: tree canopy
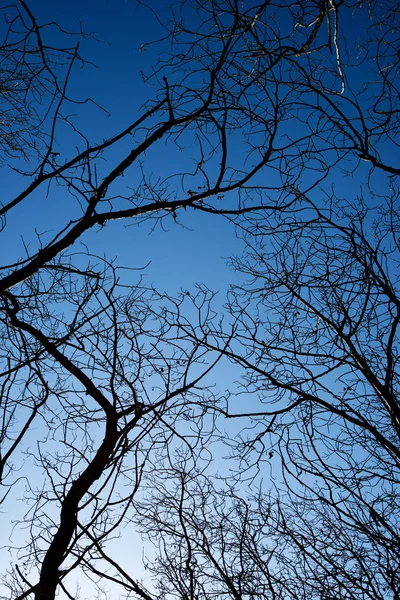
point(247, 443)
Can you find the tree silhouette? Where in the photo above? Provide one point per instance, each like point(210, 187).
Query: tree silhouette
point(109, 416)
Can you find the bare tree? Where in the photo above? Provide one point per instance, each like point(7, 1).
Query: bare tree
point(110, 371)
point(34, 77)
point(215, 543)
point(259, 93)
point(314, 328)
point(315, 331)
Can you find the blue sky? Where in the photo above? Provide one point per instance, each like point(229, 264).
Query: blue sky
point(193, 250)
point(176, 255)
point(182, 255)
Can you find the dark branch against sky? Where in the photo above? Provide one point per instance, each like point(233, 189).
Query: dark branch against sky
point(199, 299)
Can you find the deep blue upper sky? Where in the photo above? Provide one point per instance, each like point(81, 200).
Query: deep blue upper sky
point(179, 256)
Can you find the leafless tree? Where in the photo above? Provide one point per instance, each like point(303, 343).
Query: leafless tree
point(34, 77)
point(314, 329)
point(215, 543)
point(261, 94)
point(109, 371)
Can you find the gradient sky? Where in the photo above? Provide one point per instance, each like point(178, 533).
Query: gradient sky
point(194, 250)
point(177, 256)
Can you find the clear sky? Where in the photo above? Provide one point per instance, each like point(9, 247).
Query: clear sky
point(193, 250)
point(178, 254)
